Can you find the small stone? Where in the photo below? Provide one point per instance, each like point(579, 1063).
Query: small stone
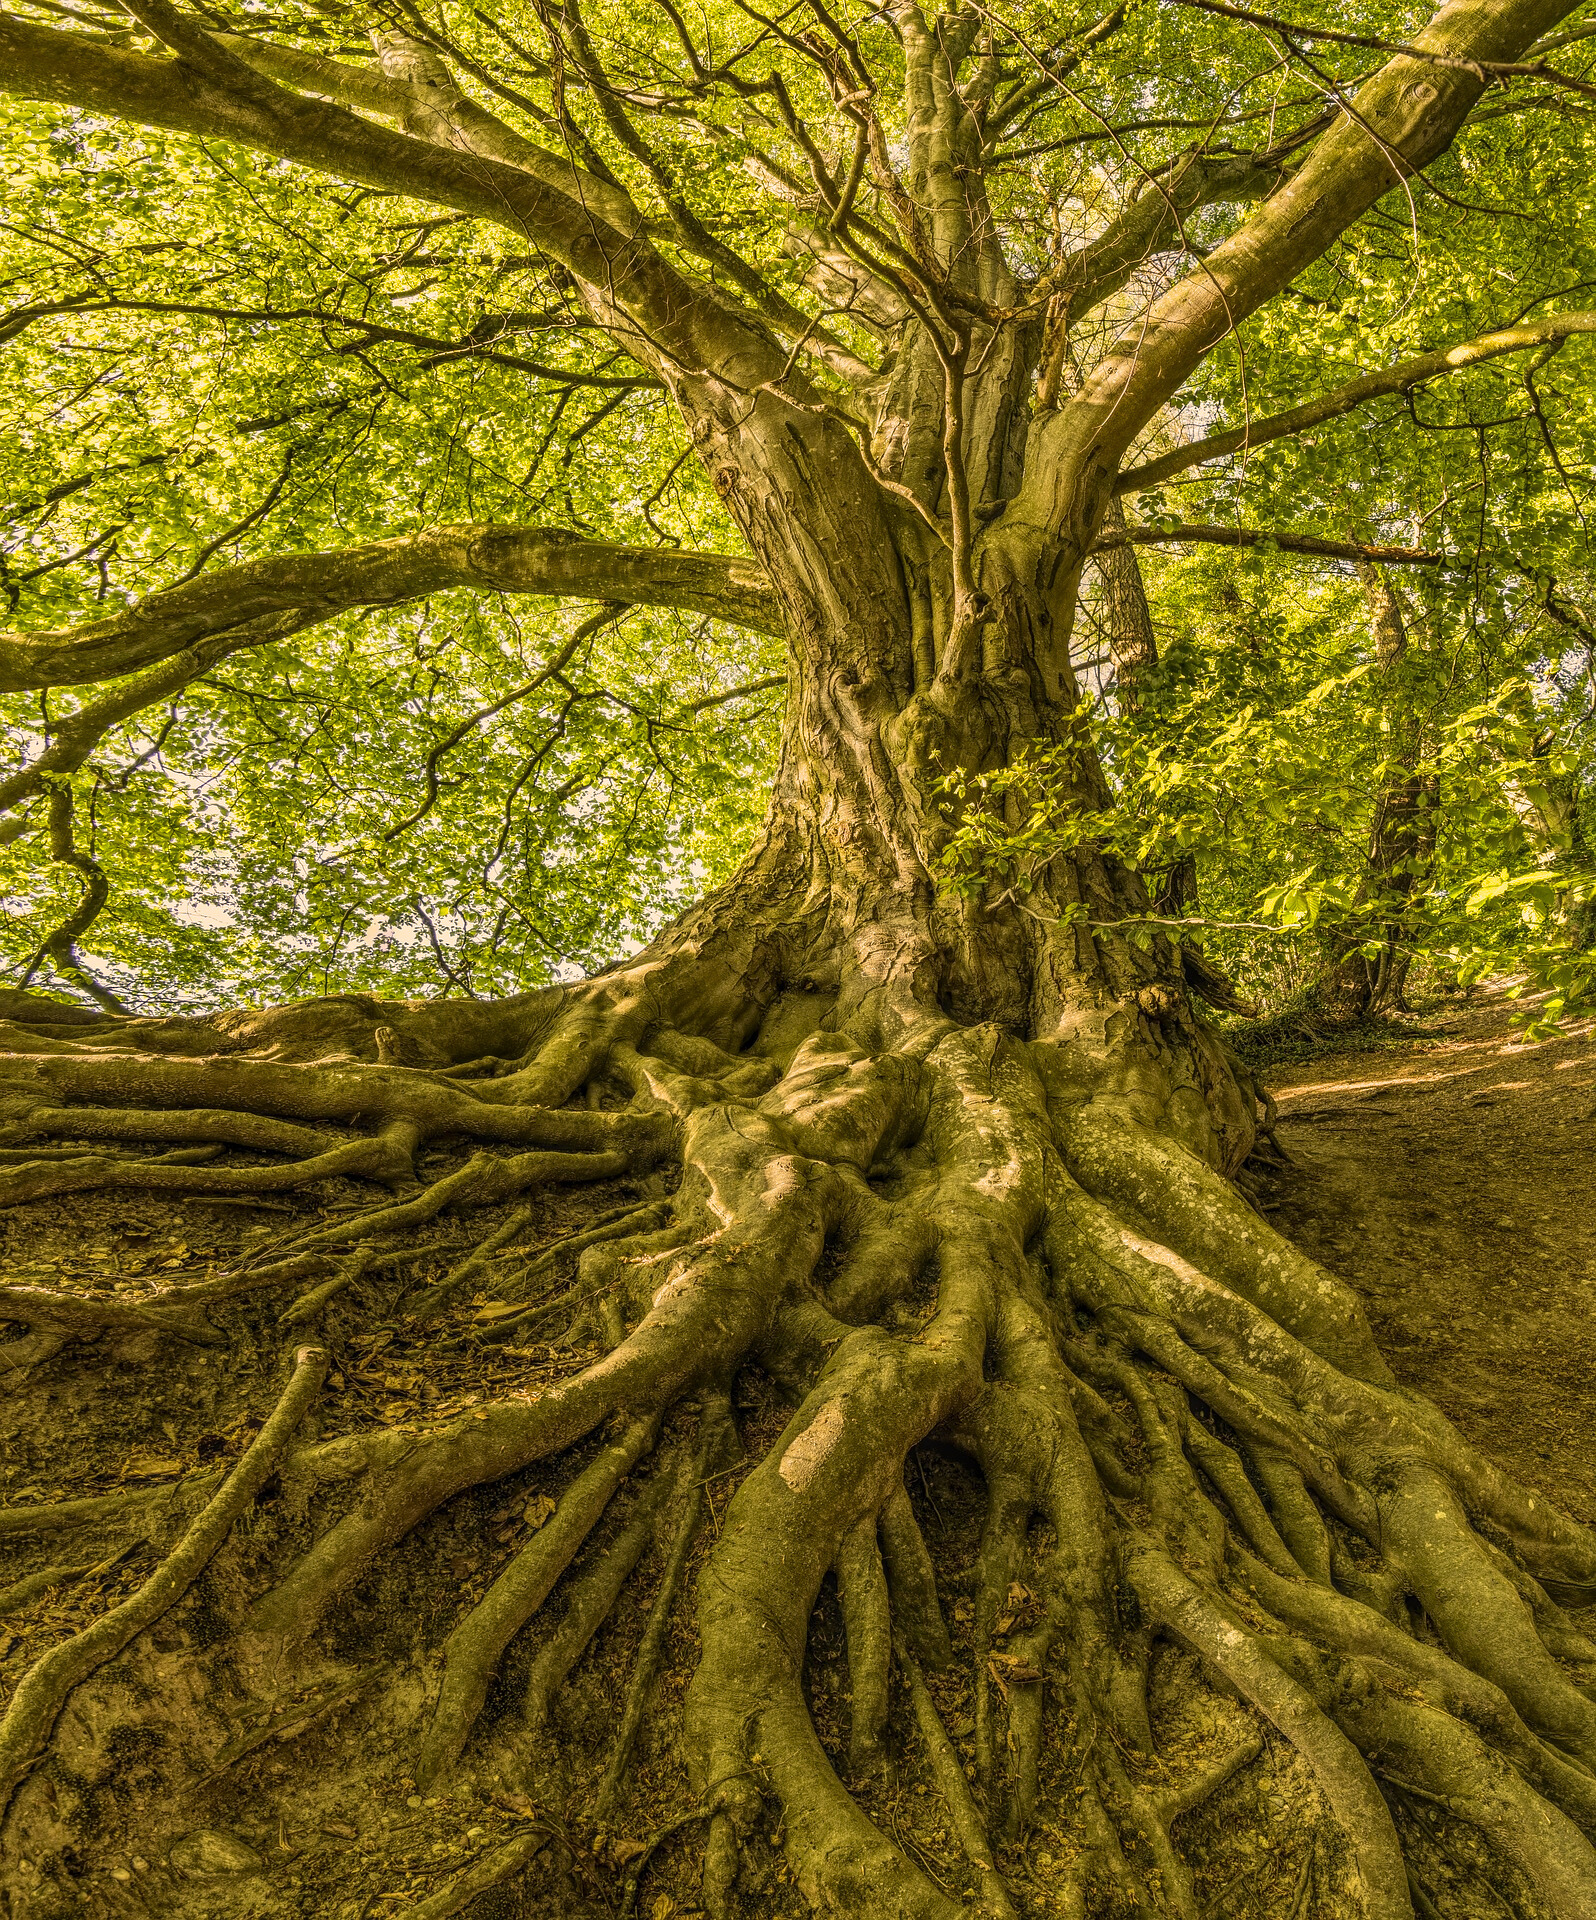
point(120, 1873)
point(414, 1802)
point(211, 1850)
point(140, 1866)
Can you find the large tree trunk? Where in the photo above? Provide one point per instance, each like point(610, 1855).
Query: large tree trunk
point(1368, 970)
point(951, 1177)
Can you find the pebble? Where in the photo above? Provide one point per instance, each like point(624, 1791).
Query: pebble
point(211, 1850)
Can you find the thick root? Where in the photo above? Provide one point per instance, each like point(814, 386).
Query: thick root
point(1195, 1488)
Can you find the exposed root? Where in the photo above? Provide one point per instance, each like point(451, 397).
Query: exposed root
point(426, 1304)
point(70, 1314)
point(867, 1618)
point(589, 1603)
point(1337, 1765)
point(1190, 1461)
point(956, 1796)
point(645, 1668)
point(472, 1650)
point(912, 1582)
point(494, 1869)
point(44, 1688)
point(22, 1593)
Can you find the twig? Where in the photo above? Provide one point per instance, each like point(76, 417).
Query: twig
point(489, 1870)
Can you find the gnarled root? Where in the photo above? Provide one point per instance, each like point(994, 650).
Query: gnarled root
point(1203, 1523)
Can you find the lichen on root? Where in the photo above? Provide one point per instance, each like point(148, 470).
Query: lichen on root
point(1200, 1490)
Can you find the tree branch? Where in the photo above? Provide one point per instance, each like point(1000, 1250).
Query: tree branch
point(419, 94)
point(455, 735)
point(1400, 378)
point(1264, 537)
point(1402, 118)
point(60, 946)
point(1150, 223)
point(1497, 69)
point(653, 309)
point(473, 345)
point(306, 588)
point(80, 733)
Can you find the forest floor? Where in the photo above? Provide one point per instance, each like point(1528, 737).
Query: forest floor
point(1446, 1174)
point(1443, 1169)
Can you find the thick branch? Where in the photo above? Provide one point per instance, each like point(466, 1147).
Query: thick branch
point(1401, 120)
point(428, 104)
point(310, 587)
point(1400, 378)
point(60, 945)
point(659, 314)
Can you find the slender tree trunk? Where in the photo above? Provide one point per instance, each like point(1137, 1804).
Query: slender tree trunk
point(1401, 836)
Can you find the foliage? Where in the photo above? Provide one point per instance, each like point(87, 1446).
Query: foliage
point(1260, 748)
point(214, 354)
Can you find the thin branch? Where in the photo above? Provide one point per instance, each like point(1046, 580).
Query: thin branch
point(1400, 378)
point(613, 610)
point(1264, 537)
point(1496, 69)
point(770, 681)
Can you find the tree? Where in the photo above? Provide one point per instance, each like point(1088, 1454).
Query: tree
point(953, 1159)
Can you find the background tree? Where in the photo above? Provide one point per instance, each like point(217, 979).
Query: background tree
point(374, 326)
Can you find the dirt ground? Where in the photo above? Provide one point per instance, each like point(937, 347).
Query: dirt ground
point(1447, 1176)
point(1443, 1171)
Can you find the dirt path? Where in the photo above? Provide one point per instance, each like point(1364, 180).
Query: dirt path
point(1449, 1180)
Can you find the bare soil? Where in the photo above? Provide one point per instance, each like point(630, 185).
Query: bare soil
point(1447, 1176)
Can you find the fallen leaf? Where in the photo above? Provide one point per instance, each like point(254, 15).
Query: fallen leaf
point(623, 1850)
point(1008, 1669)
point(496, 1310)
point(537, 1510)
point(515, 1803)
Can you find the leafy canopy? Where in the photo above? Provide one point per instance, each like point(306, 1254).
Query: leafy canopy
point(213, 355)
